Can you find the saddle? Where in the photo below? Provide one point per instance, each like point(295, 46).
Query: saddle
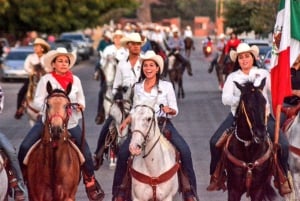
point(290, 112)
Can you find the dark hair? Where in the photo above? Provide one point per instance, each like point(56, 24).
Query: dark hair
point(142, 77)
point(61, 55)
point(237, 65)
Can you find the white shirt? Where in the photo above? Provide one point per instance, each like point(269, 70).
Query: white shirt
point(126, 75)
point(164, 95)
point(32, 60)
point(76, 96)
point(231, 94)
point(111, 50)
point(188, 33)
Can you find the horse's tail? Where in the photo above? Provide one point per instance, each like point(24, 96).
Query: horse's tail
point(270, 193)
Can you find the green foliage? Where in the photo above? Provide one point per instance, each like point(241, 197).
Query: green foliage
point(252, 15)
point(51, 16)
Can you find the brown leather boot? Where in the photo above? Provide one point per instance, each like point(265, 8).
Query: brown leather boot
point(93, 189)
point(215, 184)
point(18, 194)
point(19, 113)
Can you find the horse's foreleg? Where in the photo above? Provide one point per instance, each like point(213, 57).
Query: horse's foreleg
point(180, 88)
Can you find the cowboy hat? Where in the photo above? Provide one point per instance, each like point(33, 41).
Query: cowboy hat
point(243, 47)
point(117, 33)
point(132, 37)
point(52, 54)
point(40, 41)
point(221, 36)
point(150, 55)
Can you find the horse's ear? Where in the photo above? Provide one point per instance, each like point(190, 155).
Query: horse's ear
point(240, 87)
point(262, 84)
point(69, 88)
point(49, 87)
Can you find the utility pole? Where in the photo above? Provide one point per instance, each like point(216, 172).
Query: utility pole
point(219, 17)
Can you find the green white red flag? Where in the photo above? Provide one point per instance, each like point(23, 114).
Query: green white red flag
point(286, 47)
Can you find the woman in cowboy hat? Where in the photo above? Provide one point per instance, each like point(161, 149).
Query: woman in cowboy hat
point(59, 62)
point(41, 47)
point(151, 87)
point(245, 63)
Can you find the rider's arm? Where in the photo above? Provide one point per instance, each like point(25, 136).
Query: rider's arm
point(126, 122)
point(228, 96)
point(27, 64)
point(118, 78)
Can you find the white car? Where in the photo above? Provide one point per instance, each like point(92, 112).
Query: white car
point(13, 63)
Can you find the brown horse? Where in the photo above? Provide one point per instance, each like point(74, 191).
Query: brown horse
point(225, 66)
point(176, 67)
point(53, 167)
point(189, 46)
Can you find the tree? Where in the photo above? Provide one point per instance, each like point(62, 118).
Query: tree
point(57, 16)
point(258, 15)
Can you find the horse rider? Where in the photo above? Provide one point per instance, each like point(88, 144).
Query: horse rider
point(292, 102)
point(103, 43)
point(127, 74)
point(117, 52)
point(176, 45)
point(151, 87)
point(245, 60)
point(15, 176)
point(41, 47)
point(59, 62)
point(232, 43)
point(188, 32)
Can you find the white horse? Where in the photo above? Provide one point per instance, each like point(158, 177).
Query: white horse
point(294, 158)
point(3, 180)
point(109, 70)
point(154, 166)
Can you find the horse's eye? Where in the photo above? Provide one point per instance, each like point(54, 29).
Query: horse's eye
point(149, 119)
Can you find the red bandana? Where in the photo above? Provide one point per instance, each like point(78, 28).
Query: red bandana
point(63, 80)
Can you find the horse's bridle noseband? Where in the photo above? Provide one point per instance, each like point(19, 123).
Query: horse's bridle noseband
point(148, 131)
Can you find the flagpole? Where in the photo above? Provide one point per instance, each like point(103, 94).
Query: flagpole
point(277, 124)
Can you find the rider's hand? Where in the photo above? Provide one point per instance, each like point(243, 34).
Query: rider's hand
point(79, 107)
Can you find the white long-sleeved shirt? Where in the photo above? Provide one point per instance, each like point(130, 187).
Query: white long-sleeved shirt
point(163, 95)
point(76, 96)
point(117, 53)
point(32, 60)
point(126, 75)
point(231, 94)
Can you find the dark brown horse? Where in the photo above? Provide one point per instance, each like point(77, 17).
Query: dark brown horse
point(176, 67)
point(225, 66)
point(189, 46)
point(53, 167)
point(248, 151)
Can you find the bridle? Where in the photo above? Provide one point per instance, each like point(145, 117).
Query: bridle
point(255, 139)
point(146, 135)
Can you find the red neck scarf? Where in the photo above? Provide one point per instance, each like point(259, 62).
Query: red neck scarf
point(63, 80)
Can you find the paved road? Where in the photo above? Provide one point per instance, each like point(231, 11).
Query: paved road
point(200, 114)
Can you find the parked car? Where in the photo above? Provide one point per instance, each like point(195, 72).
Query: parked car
point(263, 46)
point(267, 60)
point(82, 43)
point(70, 46)
point(13, 63)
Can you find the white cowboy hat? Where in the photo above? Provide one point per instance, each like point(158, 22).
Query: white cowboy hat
point(221, 36)
point(132, 37)
point(117, 33)
point(108, 34)
point(150, 55)
point(243, 47)
point(40, 41)
point(52, 54)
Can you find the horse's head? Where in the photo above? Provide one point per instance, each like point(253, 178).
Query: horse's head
point(143, 126)
point(251, 113)
point(58, 109)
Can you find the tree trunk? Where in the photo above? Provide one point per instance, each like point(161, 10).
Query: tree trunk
point(144, 11)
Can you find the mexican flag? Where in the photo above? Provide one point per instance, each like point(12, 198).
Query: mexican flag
point(286, 48)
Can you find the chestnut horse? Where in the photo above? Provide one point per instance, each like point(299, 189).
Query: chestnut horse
point(53, 166)
point(248, 151)
point(188, 46)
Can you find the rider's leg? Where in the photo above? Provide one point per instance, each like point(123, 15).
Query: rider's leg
point(20, 98)
point(185, 157)
point(32, 136)
point(217, 152)
point(101, 142)
point(20, 191)
point(283, 155)
point(121, 169)
point(93, 188)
